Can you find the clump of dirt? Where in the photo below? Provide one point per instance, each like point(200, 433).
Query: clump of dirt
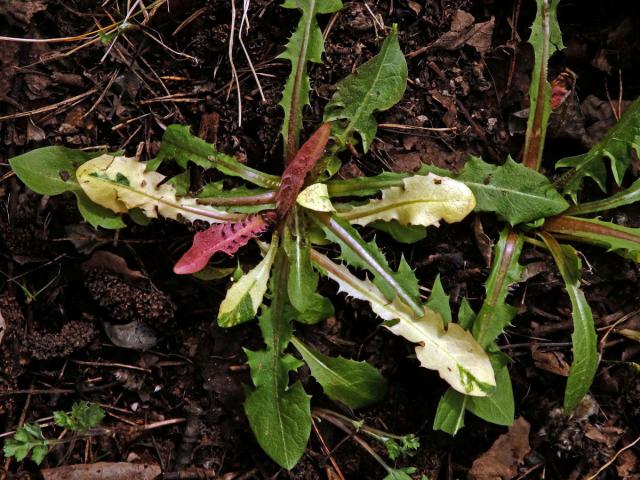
point(125, 302)
point(10, 366)
point(73, 336)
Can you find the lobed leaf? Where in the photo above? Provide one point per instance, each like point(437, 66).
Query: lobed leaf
point(122, 184)
point(624, 241)
point(52, 171)
point(453, 352)
point(303, 279)
point(279, 414)
point(423, 200)
point(28, 440)
point(616, 146)
point(220, 237)
point(439, 301)
point(546, 39)
point(495, 314)
point(625, 197)
point(83, 417)
point(243, 299)
point(297, 169)
point(355, 384)
point(360, 254)
point(305, 45)
point(377, 85)
point(585, 353)
point(179, 144)
point(516, 193)
point(498, 406)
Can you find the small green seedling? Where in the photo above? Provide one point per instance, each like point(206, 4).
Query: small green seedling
point(29, 440)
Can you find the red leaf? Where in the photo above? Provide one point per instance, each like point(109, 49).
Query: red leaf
point(221, 237)
point(295, 173)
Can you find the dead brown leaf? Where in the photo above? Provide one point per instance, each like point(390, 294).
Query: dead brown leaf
point(465, 32)
point(552, 362)
point(103, 471)
point(501, 461)
point(608, 436)
point(627, 466)
point(22, 11)
point(448, 102)
point(112, 262)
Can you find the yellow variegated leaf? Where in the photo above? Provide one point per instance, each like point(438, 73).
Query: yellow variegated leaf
point(316, 197)
point(121, 184)
point(453, 352)
point(424, 200)
point(245, 296)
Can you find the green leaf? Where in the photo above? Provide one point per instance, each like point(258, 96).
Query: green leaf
point(366, 186)
point(450, 413)
point(279, 414)
point(398, 474)
point(305, 45)
point(584, 339)
point(303, 279)
point(495, 314)
point(401, 233)
point(616, 146)
point(243, 299)
point(83, 417)
point(377, 85)
point(179, 144)
point(624, 241)
point(403, 447)
point(620, 199)
point(516, 193)
point(422, 200)
point(498, 407)
point(28, 439)
point(356, 384)
point(210, 273)
point(357, 253)
point(52, 171)
point(466, 315)
point(439, 301)
point(452, 352)
point(546, 39)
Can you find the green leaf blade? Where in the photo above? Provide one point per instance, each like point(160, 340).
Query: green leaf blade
point(376, 86)
point(279, 414)
point(450, 413)
point(498, 407)
point(616, 146)
point(355, 384)
point(584, 338)
point(516, 193)
point(51, 171)
point(546, 39)
point(305, 45)
point(243, 299)
point(624, 241)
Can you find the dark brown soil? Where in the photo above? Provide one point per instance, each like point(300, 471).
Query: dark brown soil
point(60, 347)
